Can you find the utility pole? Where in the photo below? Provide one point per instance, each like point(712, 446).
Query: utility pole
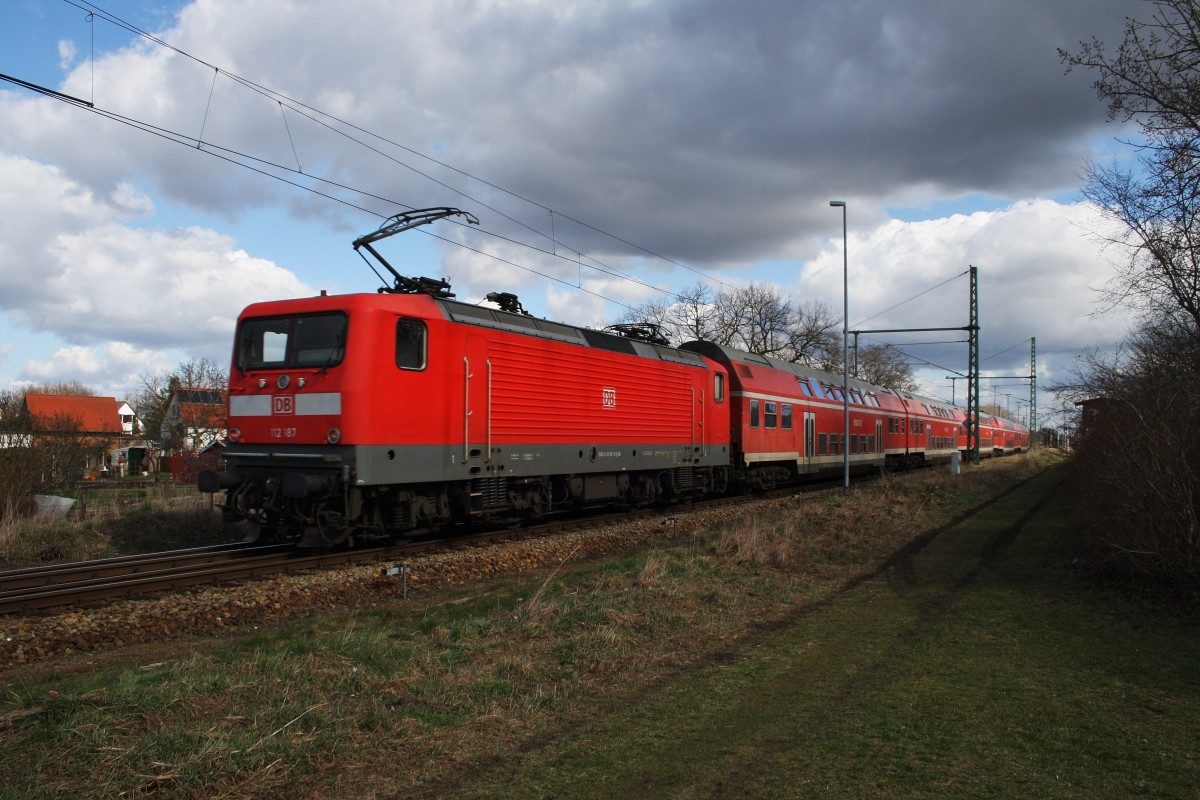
point(973, 372)
point(953, 384)
point(1033, 428)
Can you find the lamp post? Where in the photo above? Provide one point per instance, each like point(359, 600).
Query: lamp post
point(845, 351)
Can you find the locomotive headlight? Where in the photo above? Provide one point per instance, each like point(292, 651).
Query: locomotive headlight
point(235, 435)
point(334, 436)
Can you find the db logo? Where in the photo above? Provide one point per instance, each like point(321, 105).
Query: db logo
point(608, 397)
point(283, 404)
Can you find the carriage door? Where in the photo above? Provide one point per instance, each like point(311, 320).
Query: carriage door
point(878, 436)
point(810, 439)
point(476, 423)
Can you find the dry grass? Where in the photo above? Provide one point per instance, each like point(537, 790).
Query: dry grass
point(436, 690)
point(104, 523)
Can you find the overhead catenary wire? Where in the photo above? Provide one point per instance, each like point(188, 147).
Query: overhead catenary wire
point(1005, 350)
point(319, 117)
point(240, 159)
point(297, 105)
point(921, 294)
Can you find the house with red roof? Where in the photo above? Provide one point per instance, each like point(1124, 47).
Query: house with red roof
point(193, 432)
point(74, 413)
point(194, 420)
point(97, 421)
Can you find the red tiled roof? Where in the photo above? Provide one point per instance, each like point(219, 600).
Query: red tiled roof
point(91, 414)
point(202, 415)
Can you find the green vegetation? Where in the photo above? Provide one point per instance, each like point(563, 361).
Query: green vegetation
point(127, 517)
point(780, 655)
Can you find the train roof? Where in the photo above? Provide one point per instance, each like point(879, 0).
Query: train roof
point(731, 357)
point(488, 317)
point(527, 325)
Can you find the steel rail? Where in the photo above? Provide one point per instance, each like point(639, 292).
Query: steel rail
point(39, 588)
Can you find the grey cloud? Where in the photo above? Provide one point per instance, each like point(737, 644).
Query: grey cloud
point(707, 130)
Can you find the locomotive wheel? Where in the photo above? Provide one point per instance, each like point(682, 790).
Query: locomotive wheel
point(323, 536)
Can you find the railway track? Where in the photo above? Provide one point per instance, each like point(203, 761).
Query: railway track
point(39, 588)
point(82, 583)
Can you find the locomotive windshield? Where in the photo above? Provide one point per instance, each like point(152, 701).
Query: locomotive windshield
point(307, 340)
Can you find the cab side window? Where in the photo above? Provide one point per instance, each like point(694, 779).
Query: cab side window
point(410, 344)
point(753, 413)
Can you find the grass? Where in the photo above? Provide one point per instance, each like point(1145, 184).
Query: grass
point(723, 662)
point(114, 521)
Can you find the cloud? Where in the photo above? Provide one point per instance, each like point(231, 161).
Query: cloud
point(711, 133)
point(66, 54)
point(1038, 264)
point(111, 369)
point(70, 264)
point(698, 129)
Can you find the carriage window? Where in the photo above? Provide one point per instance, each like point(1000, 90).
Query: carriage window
point(305, 340)
point(786, 414)
point(753, 413)
point(410, 344)
point(719, 387)
point(771, 415)
point(822, 444)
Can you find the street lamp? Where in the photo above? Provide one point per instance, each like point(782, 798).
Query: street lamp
point(845, 350)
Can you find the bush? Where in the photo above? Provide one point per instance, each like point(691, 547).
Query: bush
point(1136, 483)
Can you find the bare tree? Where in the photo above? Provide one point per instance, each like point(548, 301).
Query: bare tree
point(62, 449)
point(690, 316)
point(1138, 492)
point(12, 407)
point(652, 312)
point(38, 455)
point(693, 316)
point(884, 365)
point(1137, 487)
point(1154, 79)
point(756, 318)
point(152, 399)
point(814, 334)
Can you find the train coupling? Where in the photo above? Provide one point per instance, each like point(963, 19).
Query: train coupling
point(210, 481)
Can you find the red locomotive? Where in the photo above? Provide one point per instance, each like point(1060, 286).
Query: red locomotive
point(373, 415)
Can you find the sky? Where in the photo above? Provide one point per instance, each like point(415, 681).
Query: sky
point(614, 153)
